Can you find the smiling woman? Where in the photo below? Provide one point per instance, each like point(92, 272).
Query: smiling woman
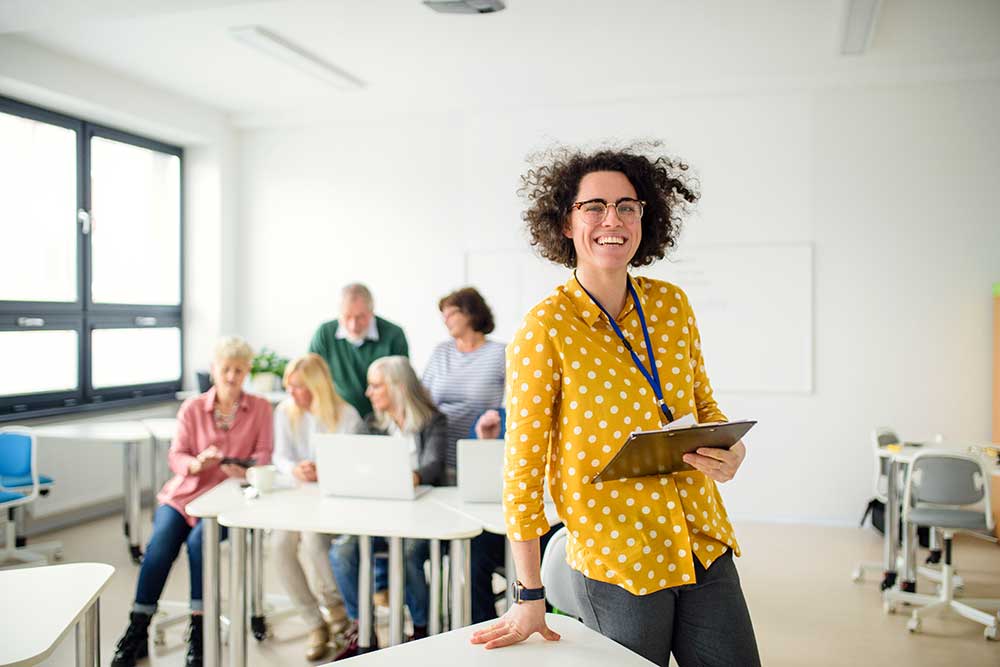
point(604, 355)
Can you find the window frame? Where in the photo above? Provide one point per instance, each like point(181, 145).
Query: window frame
point(82, 314)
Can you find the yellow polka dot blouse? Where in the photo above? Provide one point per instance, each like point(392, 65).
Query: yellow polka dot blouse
point(573, 396)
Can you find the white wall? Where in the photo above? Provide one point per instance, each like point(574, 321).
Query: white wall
point(88, 473)
point(892, 185)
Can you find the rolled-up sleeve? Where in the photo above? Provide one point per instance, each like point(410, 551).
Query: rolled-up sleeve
point(533, 376)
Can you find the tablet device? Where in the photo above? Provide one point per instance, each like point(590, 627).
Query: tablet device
point(661, 452)
point(243, 463)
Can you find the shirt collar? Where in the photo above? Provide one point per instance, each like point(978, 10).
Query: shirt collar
point(589, 311)
point(208, 400)
point(370, 334)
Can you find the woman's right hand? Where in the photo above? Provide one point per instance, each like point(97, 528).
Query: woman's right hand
point(520, 622)
point(488, 426)
point(208, 457)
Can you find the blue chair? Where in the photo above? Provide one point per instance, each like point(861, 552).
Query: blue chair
point(20, 485)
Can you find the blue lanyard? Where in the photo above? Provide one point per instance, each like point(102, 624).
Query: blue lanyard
point(652, 375)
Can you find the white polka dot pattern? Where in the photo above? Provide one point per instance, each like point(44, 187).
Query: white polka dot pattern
point(572, 418)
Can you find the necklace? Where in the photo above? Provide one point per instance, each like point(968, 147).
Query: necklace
point(223, 420)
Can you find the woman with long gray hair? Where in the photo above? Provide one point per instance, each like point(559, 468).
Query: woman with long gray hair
point(402, 406)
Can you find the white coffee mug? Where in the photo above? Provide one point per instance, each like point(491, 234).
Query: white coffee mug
point(262, 477)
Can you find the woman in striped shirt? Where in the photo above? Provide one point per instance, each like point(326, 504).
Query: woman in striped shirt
point(465, 375)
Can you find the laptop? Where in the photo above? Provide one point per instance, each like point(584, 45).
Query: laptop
point(365, 466)
point(480, 471)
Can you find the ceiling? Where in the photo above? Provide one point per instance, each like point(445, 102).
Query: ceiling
point(536, 52)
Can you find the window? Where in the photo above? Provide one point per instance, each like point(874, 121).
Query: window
point(90, 265)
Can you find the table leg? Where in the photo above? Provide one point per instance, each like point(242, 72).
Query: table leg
point(238, 597)
point(461, 597)
point(509, 572)
point(434, 623)
point(88, 637)
point(909, 582)
point(133, 500)
point(891, 535)
point(257, 623)
point(397, 577)
point(211, 591)
point(364, 593)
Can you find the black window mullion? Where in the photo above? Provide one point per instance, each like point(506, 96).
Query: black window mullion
point(84, 315)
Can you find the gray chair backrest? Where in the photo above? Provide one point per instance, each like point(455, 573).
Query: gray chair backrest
point(557, 574)
point(947, 480)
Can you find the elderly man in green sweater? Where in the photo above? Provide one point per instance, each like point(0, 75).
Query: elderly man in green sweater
point(350, 344)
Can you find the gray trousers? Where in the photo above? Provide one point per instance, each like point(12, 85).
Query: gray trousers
point(704, 624)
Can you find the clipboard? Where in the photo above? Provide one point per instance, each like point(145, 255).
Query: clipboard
point(661, 452)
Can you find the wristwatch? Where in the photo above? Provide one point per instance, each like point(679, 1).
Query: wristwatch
point(522, 594)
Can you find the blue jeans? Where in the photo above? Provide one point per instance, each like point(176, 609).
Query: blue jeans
point(345, 560)
point(170, 531)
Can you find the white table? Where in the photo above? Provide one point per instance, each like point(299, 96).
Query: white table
point(41, 604)
point(207, 507)
point(578, 646)
point(490, 517)
point(304, 509)
point(163, 430)
point(130, 435)
point(273, 397)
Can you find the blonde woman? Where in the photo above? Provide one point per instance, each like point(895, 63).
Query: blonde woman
point(402, 407)
point(223, 422)
point(313, 406)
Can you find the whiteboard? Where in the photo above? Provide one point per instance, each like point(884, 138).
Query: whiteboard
point(753, 304)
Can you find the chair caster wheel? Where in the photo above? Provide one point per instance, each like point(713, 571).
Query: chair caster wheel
point(858, 575)
point(259, 628)
point(913, 625)
point(990, 633)
point(888, 607)
point(159, 639)
point(57, 556)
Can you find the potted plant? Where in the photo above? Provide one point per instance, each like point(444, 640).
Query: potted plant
point(267, 370)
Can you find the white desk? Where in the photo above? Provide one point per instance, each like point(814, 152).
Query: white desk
point(273, 397)
point(41, 604)
point(304, 509)
point(490, 517)
point(578, 646)
point(163, 430)
point(131, 435)
point(207, 507)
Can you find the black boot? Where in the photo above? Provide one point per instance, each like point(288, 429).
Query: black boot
point(195, 642)
point(134, 644)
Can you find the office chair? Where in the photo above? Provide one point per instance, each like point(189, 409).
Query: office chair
point(557, 575)
point(940, 488)
point(20, 485)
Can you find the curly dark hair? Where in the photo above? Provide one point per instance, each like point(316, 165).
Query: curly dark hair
point(471, 302)
point(551, 185)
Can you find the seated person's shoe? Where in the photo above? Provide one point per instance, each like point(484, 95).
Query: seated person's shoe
point(419, 632)
point(336, 617)
point(196, 643)
point(318, 643)
point(134, 644)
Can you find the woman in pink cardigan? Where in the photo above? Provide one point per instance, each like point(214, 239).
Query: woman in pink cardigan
point(222, 422)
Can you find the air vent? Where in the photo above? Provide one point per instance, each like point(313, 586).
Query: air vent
point(465, 6)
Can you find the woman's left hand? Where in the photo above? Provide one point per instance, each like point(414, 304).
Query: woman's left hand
point(234, 471)
point(719, 464)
